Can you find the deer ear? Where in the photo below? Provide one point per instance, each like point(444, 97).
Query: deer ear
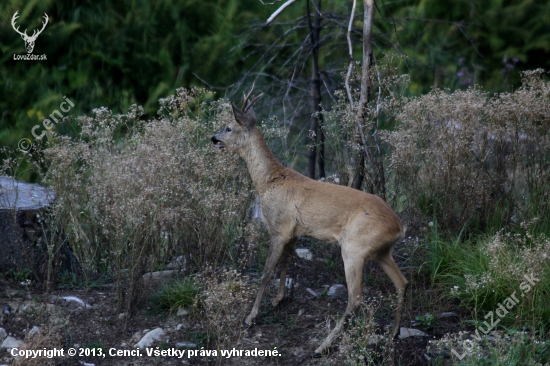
point(246, 120)
point(250, 112)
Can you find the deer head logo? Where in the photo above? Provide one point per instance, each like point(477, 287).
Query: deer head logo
point(29, 41)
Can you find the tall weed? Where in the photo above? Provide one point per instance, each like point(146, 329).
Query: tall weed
point(133, 194)
point(467, 156)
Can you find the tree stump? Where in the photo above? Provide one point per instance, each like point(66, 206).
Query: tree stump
point(23, 248)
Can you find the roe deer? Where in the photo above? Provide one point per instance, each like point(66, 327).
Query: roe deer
point(293, 205)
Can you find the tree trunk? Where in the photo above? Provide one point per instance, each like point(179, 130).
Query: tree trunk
point(321, 156)
point(315, 131)
point(368, 18)
point(25, 243)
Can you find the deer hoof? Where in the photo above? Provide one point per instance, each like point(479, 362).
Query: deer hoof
point(315, 354)
point(395, 334)
point(246, 325)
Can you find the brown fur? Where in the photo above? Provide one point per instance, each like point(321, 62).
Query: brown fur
point(293, 206)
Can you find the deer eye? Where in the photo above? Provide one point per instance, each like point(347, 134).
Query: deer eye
point(227, 129)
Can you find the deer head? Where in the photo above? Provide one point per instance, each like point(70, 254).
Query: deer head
point(235, 134)
point(29, 41)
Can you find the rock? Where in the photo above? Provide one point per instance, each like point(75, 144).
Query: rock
point(337, 290)
point(22, 235)
point(177, 263)
point(122, 315)
point(34, 331)
point(3, 334)
point(288, 282)
point(304, 253)
point(77, 300)
point(153, 278)
point(186, 345)
point(315, 294)
point(410, 332)
point(86, 363)
point(10, 343)
point(182, 311)
point(149, 338)
point(179, 326)
point(447, 314)
point(375, 338)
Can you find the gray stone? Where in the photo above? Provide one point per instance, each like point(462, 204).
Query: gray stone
point(34, 331)
point(304, 253)
point(410, 332)
point(447, 314)
point(3, 334)
point(149, 338)
point(289, 282)
point(10, 343)
point(83, 363)
point(337, 290)
point(77, 300)
point(177, 263)
point(159, 276)
point(315, 294)
point(186, 345)
point(182, 311)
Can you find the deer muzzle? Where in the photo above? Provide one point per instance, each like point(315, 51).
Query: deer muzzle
point(218, 144)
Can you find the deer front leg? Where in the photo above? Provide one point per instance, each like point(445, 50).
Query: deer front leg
point(276, 249)
point(286, 257)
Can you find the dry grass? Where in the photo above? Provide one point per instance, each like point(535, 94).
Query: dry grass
point(132, 194)
point(469, 156)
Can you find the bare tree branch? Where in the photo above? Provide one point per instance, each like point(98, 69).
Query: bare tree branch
point(350, 67)
point(280, 10)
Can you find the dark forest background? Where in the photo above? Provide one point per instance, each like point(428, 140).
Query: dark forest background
point(115, 54)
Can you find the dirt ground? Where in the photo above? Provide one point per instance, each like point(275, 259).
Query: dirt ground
point(296, 327)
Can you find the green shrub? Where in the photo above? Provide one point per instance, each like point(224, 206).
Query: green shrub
point(176, 294)
point(486, 273)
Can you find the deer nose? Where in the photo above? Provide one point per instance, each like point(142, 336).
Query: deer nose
point(214, 139)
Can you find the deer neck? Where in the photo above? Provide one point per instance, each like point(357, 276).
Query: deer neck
point(262, 164)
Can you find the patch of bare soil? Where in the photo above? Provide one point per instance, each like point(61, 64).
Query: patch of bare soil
point(90, 320)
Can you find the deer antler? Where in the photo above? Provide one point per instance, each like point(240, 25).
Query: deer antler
point(15, 16)
point(248, 104)
point(43, 25)
point(25, 35)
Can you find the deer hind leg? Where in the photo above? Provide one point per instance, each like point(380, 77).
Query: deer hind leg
point(276, 249)
point(286, 257)
point(353, 266)
point(388, 265)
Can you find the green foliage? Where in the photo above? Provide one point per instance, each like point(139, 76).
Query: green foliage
point(176, 294)
point(114, 55)
point(458, 44)
point(426, 320)
point(20, 276)
point(487, 272)
point(524, 352)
